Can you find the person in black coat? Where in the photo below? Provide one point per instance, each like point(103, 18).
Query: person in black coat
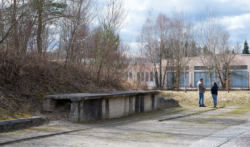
point(214, 91)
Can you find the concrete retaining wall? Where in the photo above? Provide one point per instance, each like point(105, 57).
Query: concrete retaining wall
point(166, 103)
point(93, 110)
point(93, 107)
point(16, 124)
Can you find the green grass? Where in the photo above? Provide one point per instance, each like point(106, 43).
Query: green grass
point(243, 109)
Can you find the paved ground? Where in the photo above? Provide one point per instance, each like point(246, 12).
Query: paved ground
point(212, 128)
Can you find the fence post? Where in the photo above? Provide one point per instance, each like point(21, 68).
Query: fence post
point(248, 80)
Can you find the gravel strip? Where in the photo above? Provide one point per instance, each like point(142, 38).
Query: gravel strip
point(221, 137)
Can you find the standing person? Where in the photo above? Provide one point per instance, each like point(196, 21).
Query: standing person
point(201, 90)
point(214, 91)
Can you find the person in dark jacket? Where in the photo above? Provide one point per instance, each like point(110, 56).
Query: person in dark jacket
point(214, 91)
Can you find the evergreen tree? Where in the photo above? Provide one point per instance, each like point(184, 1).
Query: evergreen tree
point(245, 50)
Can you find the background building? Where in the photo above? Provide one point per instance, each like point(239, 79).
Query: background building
point(238, 71)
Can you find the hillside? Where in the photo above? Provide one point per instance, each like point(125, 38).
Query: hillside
point(22, 88)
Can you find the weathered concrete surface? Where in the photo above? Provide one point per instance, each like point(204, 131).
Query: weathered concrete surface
point(99, 109)
point(222, 137)
point(15, 124)
point(63, 126)
point(88, 96)
point(87, 107)
point(239, 141)
point(139, 132)
point(164, 103)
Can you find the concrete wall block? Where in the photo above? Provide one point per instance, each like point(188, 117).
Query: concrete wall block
point(105, 108)
point(147, 103)
point(49, 105)
point(137, 104)
point(142, 103)
point(171, 103)
point(165, 103)
point(99, 109)
point(92, 110)
point(15, 124)
point(74, 112)
point(126, 106)
point(131, 105)
point(160, 102)
point(154, 105)
point(116, 107)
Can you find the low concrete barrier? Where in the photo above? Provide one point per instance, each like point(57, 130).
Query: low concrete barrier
point(92, 107)
point(165, 103)
point(15, 124)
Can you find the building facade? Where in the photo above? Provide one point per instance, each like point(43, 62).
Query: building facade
point(239, 69)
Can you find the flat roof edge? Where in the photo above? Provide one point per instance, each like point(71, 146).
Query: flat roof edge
point(89, 96)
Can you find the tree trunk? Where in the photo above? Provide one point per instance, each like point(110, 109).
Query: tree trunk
point(16, 41)
point(39, 28)
point(156, 79)
point(161, 86)
point(221, 80)
point(210, 79)
point(228, 80)
point(185, 81)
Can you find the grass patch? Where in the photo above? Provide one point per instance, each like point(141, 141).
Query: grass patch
point(10, 116)
point(243, 109)
point(234, 98)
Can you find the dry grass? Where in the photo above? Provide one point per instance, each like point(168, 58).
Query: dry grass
point(7, 116)
point(134, 85)
point(234, 98)
point(23, 85)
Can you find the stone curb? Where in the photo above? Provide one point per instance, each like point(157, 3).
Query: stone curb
point(196, 113)
point(16, 124)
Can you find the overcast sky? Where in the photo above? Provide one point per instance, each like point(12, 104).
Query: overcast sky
point(235, 15)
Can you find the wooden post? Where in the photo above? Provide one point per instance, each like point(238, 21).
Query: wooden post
point(248, 80)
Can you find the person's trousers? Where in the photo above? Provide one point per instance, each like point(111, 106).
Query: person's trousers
point(201, 99)
point(215, 99)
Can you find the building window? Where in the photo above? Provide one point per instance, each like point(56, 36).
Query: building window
point(147, 77)
point(142, 76)
point(130, 75)
point(200, 68)
point(151, 76)
point(138, 76)
point(172, 68)
point(237, 67)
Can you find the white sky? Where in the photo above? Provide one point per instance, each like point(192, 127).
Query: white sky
point(235, 14)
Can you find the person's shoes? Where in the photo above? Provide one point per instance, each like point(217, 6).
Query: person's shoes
point(203, 106)
point(200, 105)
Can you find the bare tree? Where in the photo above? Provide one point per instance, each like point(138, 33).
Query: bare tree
point(79, 15)
point(178, 49)
point(225, 58)
point(148, 41)
point(169, 38)
point(209, 35)
point(113, 15)
point(108, 42)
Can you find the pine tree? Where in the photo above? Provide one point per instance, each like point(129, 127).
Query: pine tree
point(245, 50)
